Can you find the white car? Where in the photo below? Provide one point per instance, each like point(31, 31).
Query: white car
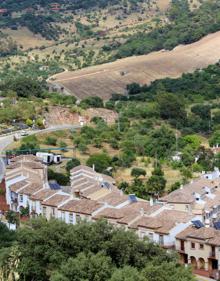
point(24, 133)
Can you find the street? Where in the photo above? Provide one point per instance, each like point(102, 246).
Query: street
point(7, 140)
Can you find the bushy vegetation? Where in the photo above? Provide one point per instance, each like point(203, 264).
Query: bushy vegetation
point(88, 251)
point(185, 27)
point(46, 23)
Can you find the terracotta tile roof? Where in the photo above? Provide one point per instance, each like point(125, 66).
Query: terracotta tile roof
point(13, 176)
point(183, 234)
point(185, 194)
point(80, 180)
point(208, 234)
point(83, 206)
point(178, 196)
point(114, 198)
point(23, 158)
point(87, 171)
point(18, 185)
point(21, 167)
point(110, 213)
point(31, 188)
point(212, 202)
point(86, 193)
point(163, 222)
point(85, 185)
point(43, 194)
point(81, 168)
point(129, 213)
point(33, 165)
point(13, 166)
point(56, 200)
point(100, 193)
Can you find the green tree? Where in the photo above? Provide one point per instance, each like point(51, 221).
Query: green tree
point(7, 236)
point(53, 250)
point(85, 267)
point(101, 161)
point(127, 273)
point(161, 142)
point(156, 183)
point(171, 107)
point(28, 143)
point(74, 162)
point(12, 217)
point(137, 172)
point(215, 138)
point(51, 141)
point(25, 87)
point(29, 122)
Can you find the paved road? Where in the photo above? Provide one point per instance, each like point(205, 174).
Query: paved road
point(7, 140)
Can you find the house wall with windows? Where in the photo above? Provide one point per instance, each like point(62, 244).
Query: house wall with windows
point(35, 206)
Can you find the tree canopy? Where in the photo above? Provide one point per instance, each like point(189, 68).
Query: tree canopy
point(55, 251)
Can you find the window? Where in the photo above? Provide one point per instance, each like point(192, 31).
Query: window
point(71, 218)
point(53, 212)
point(44, 211)
point(63, 216)
point(151, 236)
point(201, 246)
point(21, 198)
point(161, 240)
point(193, 245)
point(78, 218)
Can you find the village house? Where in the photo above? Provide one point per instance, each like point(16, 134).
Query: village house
point(50, 206)
point(24, 176)
point(36, 199)
point(75, 210)
point(162, 227)
point(129, 213)
point(200, 197)
point(87, 183)
point(199, 247)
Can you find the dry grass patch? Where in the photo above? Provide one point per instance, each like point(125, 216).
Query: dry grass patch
point(104, 80)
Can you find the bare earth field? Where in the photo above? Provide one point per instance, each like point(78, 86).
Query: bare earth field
point(26, 38)
point(103, 80)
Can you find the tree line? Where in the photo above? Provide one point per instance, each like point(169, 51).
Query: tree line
point(55, 251)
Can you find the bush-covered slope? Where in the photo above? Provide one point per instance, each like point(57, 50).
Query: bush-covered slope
point(185, 27)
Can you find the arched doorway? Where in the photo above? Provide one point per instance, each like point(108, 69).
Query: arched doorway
point(201, 263)
point(193, 262)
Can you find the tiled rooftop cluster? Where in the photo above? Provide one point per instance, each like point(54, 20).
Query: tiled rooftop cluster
point(92, 196)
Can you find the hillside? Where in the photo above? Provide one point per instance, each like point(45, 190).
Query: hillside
point(104, 80)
